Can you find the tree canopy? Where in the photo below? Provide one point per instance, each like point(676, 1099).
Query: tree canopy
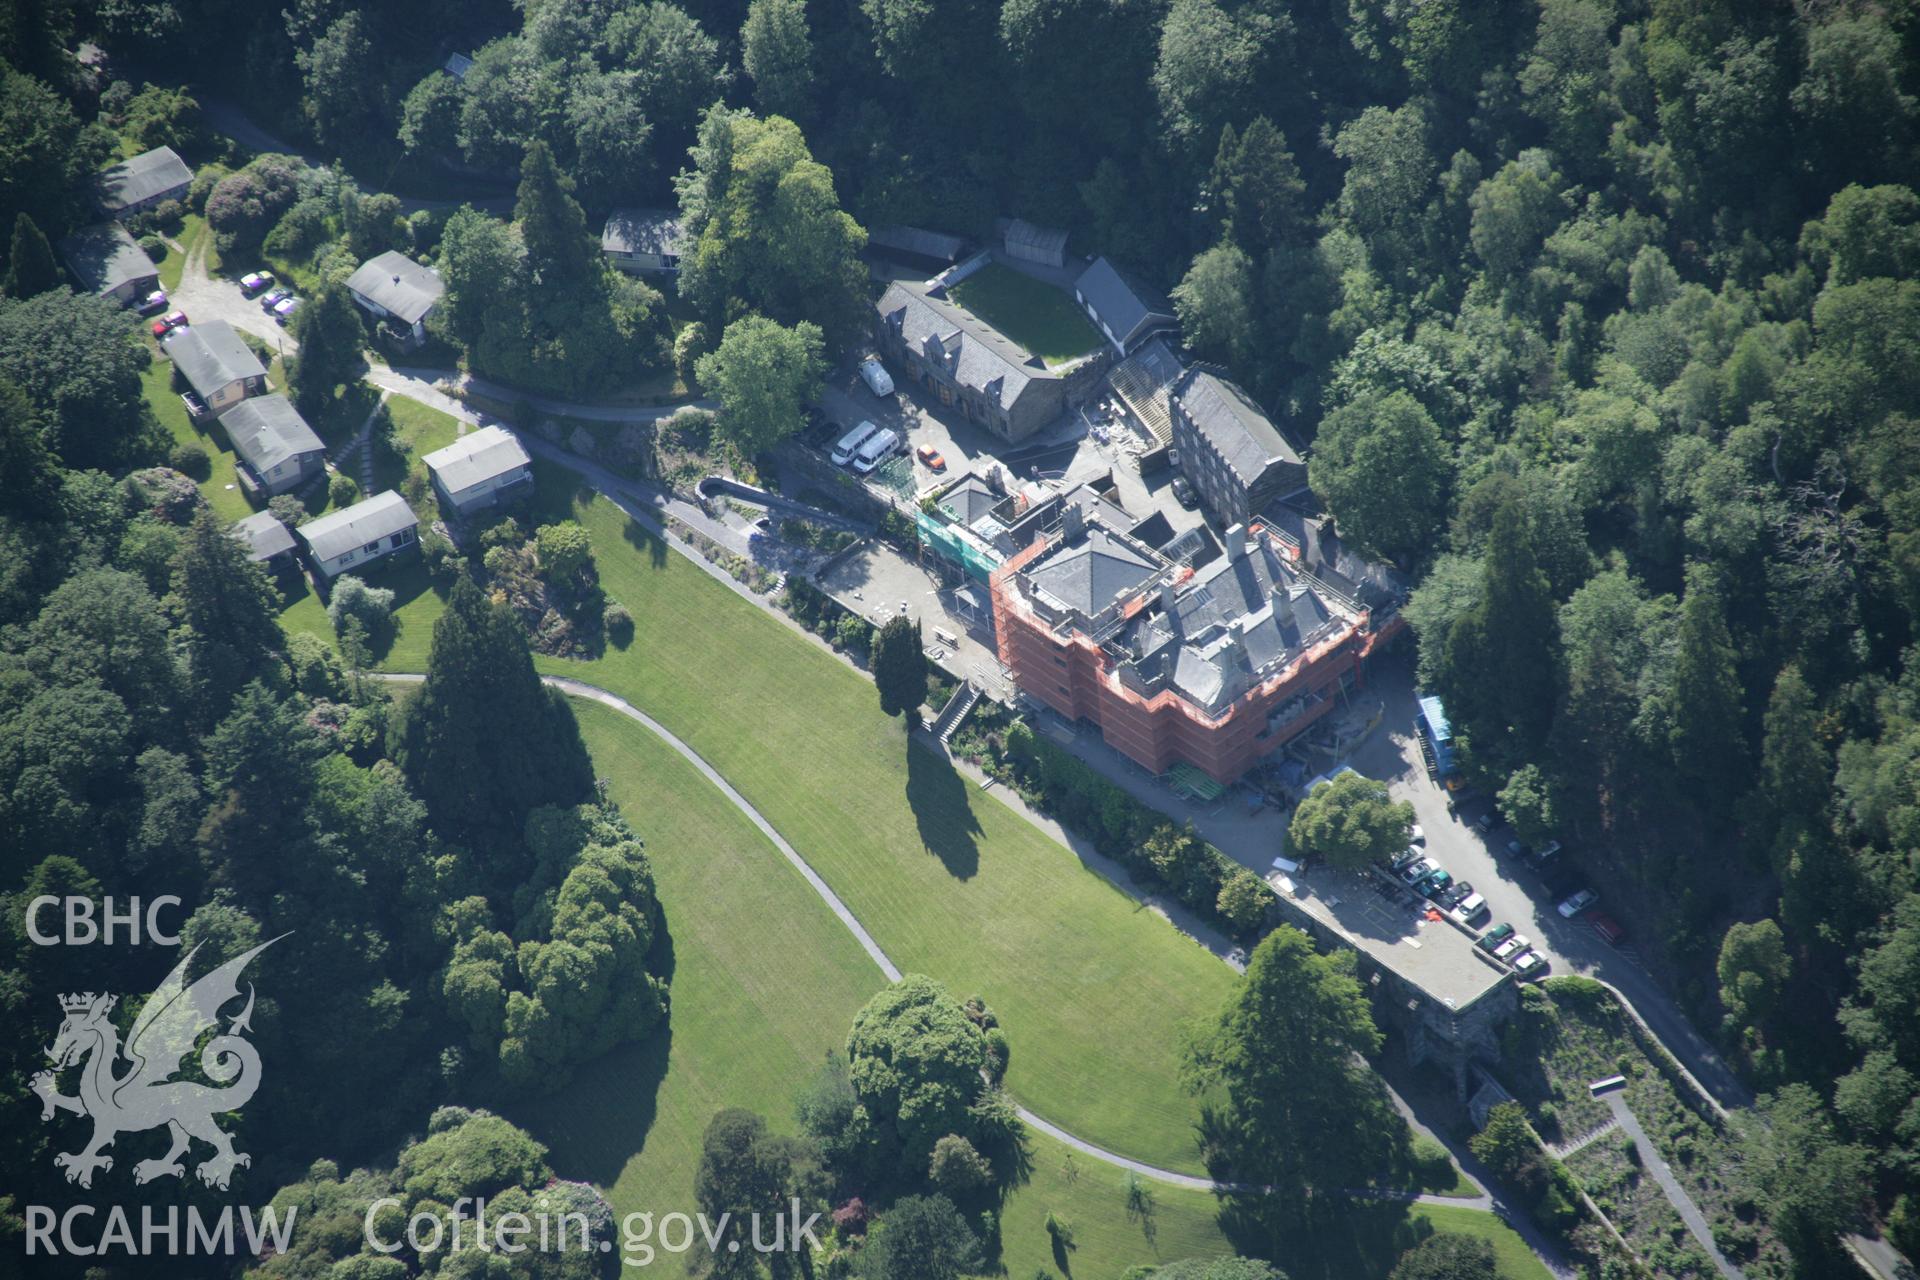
point(1351, 822)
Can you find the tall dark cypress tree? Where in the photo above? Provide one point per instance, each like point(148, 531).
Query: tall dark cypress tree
point(30, 265)
point(1708, 735)
point(560, 254)
point(485, 742)
point(900, 667)
point(1503, 654)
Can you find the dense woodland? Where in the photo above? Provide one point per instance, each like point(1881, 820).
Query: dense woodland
point(1602, 318)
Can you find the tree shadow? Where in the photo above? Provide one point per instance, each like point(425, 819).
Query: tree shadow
point(644, 539)
point(604, 1116)
point(937, 793)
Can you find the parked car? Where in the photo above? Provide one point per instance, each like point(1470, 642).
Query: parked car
point(175, 319)
point(931, 457)
point(1511, 947)
point(154, 303)
point(1544, 855)
point(1470, 908)
point(1579, 902)
point(1183, 493)
point(875, 375)
point(283, 310)
point(273, 298)
point(1529, 965)
point(1518, 849)
point(196, 407)
point(1405, 856)
point(1607, 927)
point(1434, 884)
point(254, 281)
point(1495, 936)
point(1455, 892)
point(160, 328)
point(1417, 870)
point(1417, 834)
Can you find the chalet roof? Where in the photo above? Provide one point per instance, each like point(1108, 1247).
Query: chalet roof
point(397, 285)
point(655, 231)
point(267, 430)
point(104, 257)
point(143, 177)
point(477, 457)
point(263, 535)
point(211, 355)
point(349, 529)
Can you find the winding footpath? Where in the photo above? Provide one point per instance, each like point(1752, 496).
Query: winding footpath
point(607, 698)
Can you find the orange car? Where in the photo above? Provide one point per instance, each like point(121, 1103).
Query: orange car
point(931, 456)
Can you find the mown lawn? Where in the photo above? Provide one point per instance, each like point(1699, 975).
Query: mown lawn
point(417, 604)
point(418, 430)
point(766, 980)
point(221, 488)
point(1038, 316)
point(1093, 989)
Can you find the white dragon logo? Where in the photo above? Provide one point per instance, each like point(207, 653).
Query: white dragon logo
point(146, 1097)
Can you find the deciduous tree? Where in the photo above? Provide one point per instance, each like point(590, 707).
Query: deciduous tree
point(1351, 822)
point(764, 375)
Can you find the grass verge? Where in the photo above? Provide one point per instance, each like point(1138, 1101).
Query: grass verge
point(1093, 988)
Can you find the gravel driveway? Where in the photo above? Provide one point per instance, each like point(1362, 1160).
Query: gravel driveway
point(204, 297)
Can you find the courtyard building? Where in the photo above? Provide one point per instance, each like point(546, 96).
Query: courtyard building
point(966, 366)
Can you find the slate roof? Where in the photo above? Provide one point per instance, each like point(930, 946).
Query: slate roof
point(1237, 427)
point(476, 457)
point(1033, 238)
point(104, 257)
point(267, 430)
point(644, 231)
point(397, 285)
point(972, 498)
point(263, 535)
point(1209, 637)
point(142, 178)
point(973, 354)
point(1092, 575)
point(211, 355)
point(917, 240)
point(349, 529)
point(1124, 304)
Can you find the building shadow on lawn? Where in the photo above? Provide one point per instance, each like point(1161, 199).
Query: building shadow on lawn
point(602, 1117)
point(937, 794)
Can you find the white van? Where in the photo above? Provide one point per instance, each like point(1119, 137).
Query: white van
point(877, 447)
point(850, 443)
point(875, 375)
